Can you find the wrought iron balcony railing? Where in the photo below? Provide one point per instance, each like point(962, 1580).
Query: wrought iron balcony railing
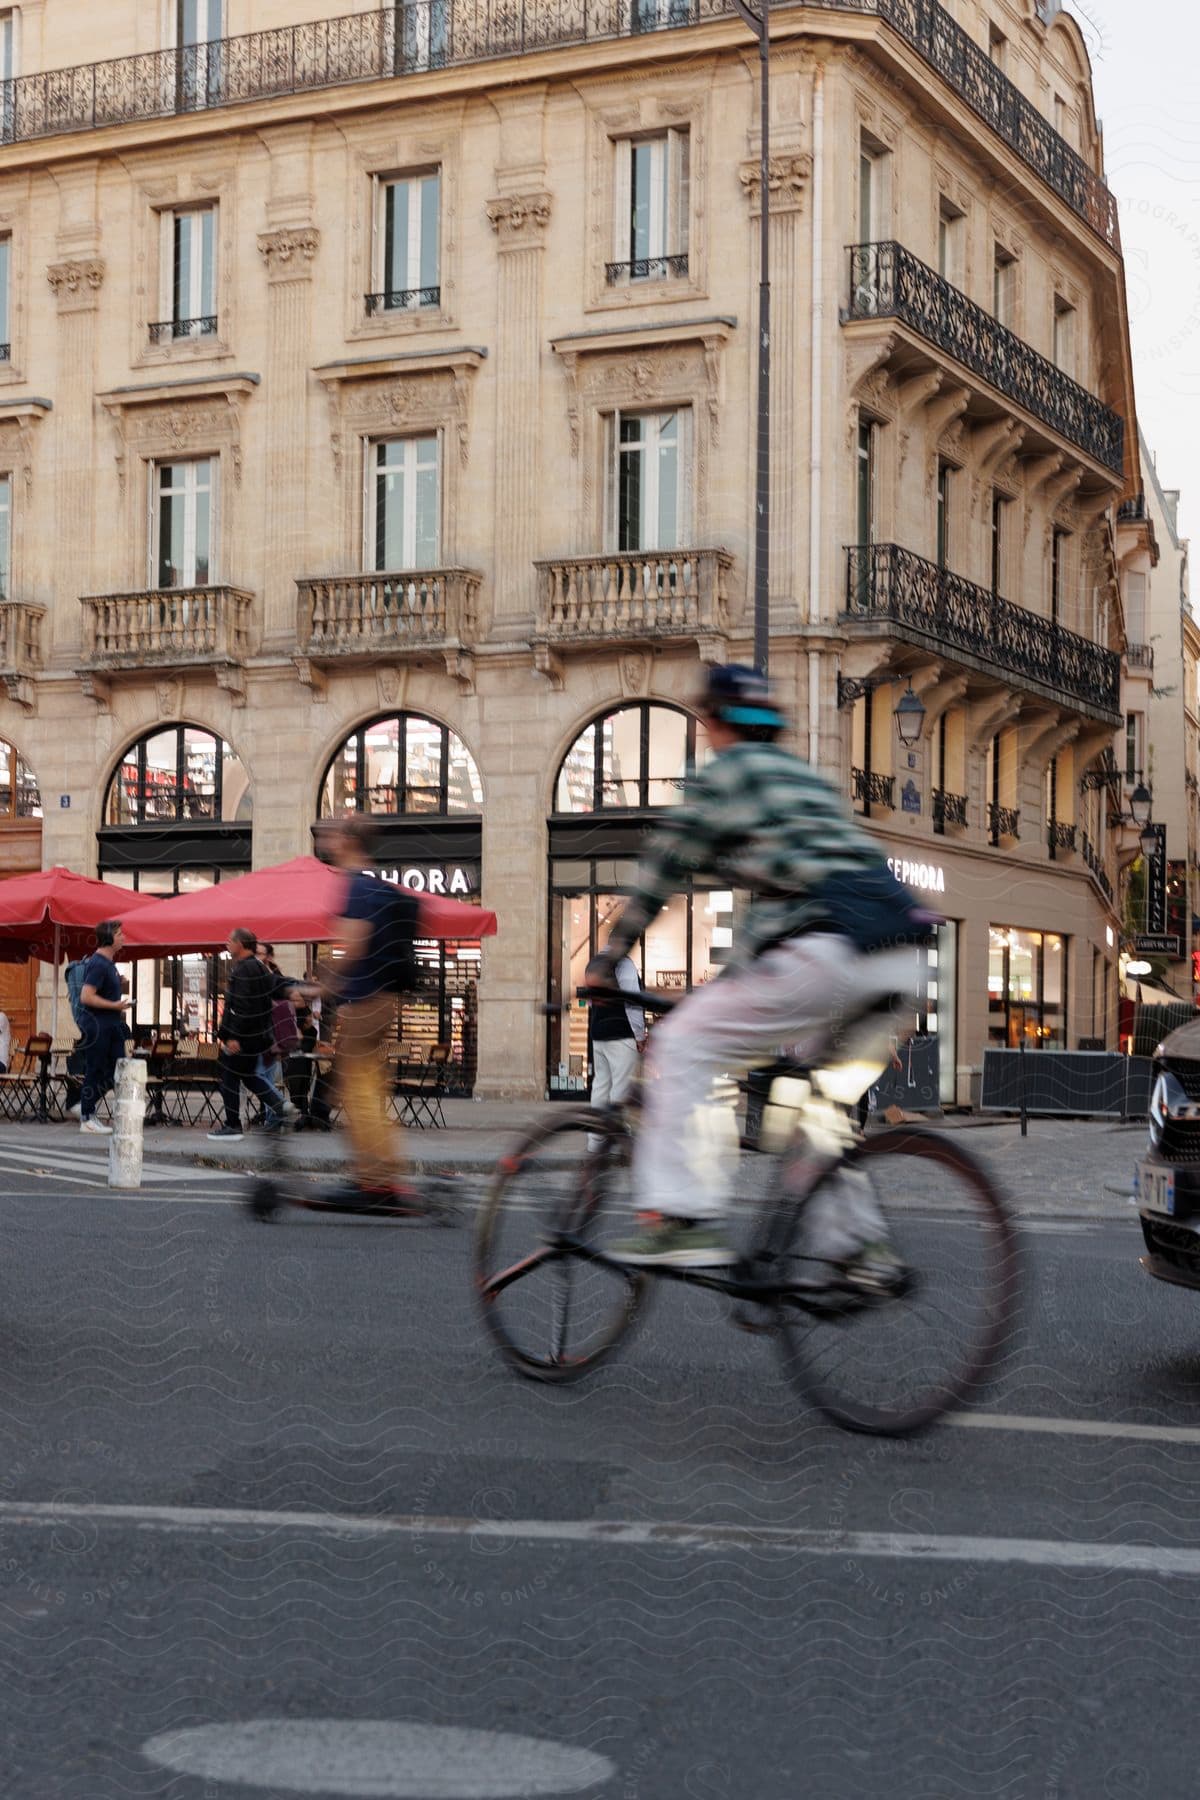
point(352, 615)
point(889, 282)
point(1003, 821)
point(645, 268)
point(166, 626)
point(1099, 874)
point(1059, 837)
point(938, 610)
point(5, 352)
point(873, 789)
point(1133, 511)
point(948, 809)
point(402, 300)
point(632, 594)
point(166, 331)
point(417, 35)
point(1140, 656)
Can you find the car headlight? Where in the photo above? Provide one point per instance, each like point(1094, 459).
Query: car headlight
point(1168, 1100)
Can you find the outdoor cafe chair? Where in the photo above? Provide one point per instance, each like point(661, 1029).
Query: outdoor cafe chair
point(25, 1091)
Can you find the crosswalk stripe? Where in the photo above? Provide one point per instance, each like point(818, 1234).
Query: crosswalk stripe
point(67, 1162)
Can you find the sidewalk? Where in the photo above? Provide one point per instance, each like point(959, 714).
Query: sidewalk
point(1066, 1168)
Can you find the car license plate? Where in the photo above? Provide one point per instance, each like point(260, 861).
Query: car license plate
point(1156, 1187)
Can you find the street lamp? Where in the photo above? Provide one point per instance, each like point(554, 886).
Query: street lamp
point(910, 717)
point(1149, 840)
point(758, 19)
point(1140, 803)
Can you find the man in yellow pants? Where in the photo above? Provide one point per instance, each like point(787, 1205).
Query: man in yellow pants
point(365, 983)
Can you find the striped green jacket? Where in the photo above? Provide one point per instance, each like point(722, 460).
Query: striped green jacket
point(757, 818)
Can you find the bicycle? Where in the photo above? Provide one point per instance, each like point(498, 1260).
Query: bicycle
point(873, 1363)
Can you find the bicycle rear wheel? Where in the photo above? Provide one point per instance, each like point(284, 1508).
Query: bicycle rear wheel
point(553, 1313)
point(893, 1365)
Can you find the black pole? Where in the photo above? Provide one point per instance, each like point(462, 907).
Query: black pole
point(1024, 1109)
point(762, 500)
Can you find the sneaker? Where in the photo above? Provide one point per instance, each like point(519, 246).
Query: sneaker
point(675, 1243)
point(271, 1122)
point(75, 1112)
point(229, 1134)
point(94, 1128)
point(876, 1270)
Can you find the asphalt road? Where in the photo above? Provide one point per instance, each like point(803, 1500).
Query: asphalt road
point(273, 1521)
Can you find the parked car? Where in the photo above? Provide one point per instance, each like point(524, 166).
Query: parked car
point(1167, 1180)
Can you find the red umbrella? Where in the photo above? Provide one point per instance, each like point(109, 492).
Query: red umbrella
point(54, 913)
point(296, 902)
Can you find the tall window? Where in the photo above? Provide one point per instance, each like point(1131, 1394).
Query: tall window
point(997, 46)
point(182, 772)
point(1134, 732)
point(658, 15)
point(8, 43)
point(420, 34)
point(182, 535)
point(5, 302)
point(402, 764)
point(999, 540)
point(1004, 284)
point(945, 489)
point(5, 537)
point(653, 184)
point(189, 274)
point(198, 24)
point(865, 482)
point(950, 242)
point(649, 480)
point(404, 505)
point(873, 210)
point(20, 797)
point(635, 757)
point(1058, 547)
point(407, 269)
point(1064, 336)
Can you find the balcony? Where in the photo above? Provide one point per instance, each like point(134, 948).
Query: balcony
point(646, 268)
point(20, 649)
point(166, 628)
point(1059, 837)
point(1096, 869)
point(396, 300)
point(341, 618)
point(889, 282)
point(890, 588)
point(1140, 656)
point(632, 596)
point(390, 41)
point(869, 789)
point(948, 809)
point(1003, 821)
point(173, 331)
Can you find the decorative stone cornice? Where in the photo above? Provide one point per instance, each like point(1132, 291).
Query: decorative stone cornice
point(289, 252)
point(787, 177)
point(76, 283)
point(520, 218)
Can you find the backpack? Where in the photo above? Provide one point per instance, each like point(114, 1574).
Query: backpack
point(872, 909)
point(79, 1011)
point(394, 949)
point(284, 1028)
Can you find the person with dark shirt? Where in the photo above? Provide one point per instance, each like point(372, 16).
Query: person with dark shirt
point(366, 1013)
point(245, 1033)
point(105, 1029)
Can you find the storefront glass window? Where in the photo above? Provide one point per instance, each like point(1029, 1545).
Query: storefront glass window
point(19, 795)
point(667, 756)
point(634, 757)
point(400, 765)
point(170, 993)
point(1027, 988)
point(182, 773)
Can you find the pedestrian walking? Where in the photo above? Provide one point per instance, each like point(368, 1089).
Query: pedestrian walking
point(102, 1004)
point(5, 1043)
point(377, 929)
point(245, 1033)
point(616, 1032)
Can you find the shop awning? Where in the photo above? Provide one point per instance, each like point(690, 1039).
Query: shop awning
point(294, 903)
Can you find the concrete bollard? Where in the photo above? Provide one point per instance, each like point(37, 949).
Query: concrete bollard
point(129, 1120)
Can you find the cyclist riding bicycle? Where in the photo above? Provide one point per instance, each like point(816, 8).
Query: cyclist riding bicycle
point(758, 818)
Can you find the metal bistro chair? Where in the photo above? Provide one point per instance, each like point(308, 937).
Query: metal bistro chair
point(159, 1070)
point(25, 1091)
point(421, 1098)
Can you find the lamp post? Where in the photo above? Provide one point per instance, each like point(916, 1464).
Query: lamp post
point(1149, 848)
point(909, 715)
point(1140, 803)
point(758, 19)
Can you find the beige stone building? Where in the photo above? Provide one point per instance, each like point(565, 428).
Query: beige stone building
point(377, 425)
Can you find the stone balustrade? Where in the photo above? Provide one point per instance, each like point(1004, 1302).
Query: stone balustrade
point(633, 594)
point(345, 615)
point(174, 627)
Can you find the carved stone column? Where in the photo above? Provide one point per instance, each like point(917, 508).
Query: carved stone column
point(75, 284)
point(288, 253)
point(519, 221)
point(788, 175)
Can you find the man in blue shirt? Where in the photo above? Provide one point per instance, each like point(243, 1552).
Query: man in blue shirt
point(366, 1011)
point(103, 1005)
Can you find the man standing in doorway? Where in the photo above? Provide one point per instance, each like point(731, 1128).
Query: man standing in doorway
point(245, 1034)
point(104, 1030)
point(617, 1031)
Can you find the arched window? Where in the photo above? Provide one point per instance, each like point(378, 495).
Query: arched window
point(402, 764)
point(179, 773)
point(20, 797)
point(634, 757)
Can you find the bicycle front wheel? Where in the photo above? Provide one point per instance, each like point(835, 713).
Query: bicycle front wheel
point(891, 1365)
point(553, 1313)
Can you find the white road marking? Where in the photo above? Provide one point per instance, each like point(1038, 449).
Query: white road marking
point(1066, 1553)
point(391, 1759)
point(63, 1162)
point(1095, 1428)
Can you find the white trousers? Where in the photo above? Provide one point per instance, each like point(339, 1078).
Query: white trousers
point(686, 1150)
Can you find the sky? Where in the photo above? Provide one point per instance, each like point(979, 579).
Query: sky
point(1146, 69)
